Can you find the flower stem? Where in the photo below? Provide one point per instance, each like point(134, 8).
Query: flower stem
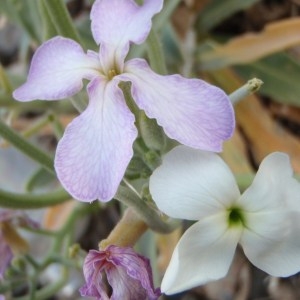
point(127, 232)
point(49, 28)
point(61, 19)
point(130, 198)
point(27, 148)
point(32, 201)
point(155, 53)
point(252, 86)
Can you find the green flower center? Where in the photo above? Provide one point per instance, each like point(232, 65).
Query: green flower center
point(236, 217)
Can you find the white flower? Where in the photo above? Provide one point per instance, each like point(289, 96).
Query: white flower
point(265, 220)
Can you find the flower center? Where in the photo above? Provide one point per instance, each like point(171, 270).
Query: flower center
point(236, 217)
point(111, 74)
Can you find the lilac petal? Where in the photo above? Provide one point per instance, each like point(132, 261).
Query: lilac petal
point(96, 148)
point(94, 264)
point(118, 22)
point(57, 69)
point(132, 276)
point(191, 111)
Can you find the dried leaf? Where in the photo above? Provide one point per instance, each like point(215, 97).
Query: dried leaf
point(263, 133)
point(247, 48)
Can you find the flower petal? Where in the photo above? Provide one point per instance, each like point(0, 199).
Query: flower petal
point(118, 22)
point(94, 264)
point(273, 186)
point(191, 184)
point(132, 276)
point(271, 242)
point(191, 111)
point(57, 69)
point(204, 253)
point(96, 148)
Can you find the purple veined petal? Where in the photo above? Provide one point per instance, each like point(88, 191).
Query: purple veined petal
point(192, 184)
point(271, 242)
point(96, 148)
point(118, 22)
point(94, 265)
point(204, 253)
point(191, 111)
point(57, 69)
point(132, 276)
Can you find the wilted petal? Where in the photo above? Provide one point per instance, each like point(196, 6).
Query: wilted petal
point(191, 111)
point(118, 22)
point(17, 218)
point(132, 276)
point(271, 242)
point(57, 69)
point(96, 148)
point(6, 256)
point(204, 253)
point(128, 274)
point(273, 186)
point(191, 184)
point(94, 265)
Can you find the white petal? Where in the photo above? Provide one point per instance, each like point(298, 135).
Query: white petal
point(96, 148)
point(204, 253)
point(273, 186)
point(192, 183)
point(271, 242)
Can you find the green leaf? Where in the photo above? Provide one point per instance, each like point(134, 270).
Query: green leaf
point(25, 13)
point(280, 74)
point(217, 11)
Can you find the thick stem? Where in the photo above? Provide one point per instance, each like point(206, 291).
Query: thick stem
point(130, 198)
point(32, 201)
point(127, 232)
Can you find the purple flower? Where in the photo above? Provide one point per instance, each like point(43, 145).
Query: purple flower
point(96, 148)
point(128, 274)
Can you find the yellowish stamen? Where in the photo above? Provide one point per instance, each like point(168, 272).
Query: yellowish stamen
point(111, 74)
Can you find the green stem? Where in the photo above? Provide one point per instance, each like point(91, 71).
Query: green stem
point(4, 81)
point(61, 19)
point(155, 54)
point(48, 291)
point(32, 201)
point(27, 148)
point(36, 126)
point(252, 86)
point(130, 198)
point(48, 26)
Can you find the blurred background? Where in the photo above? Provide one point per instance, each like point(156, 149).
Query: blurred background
point(224, 42)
